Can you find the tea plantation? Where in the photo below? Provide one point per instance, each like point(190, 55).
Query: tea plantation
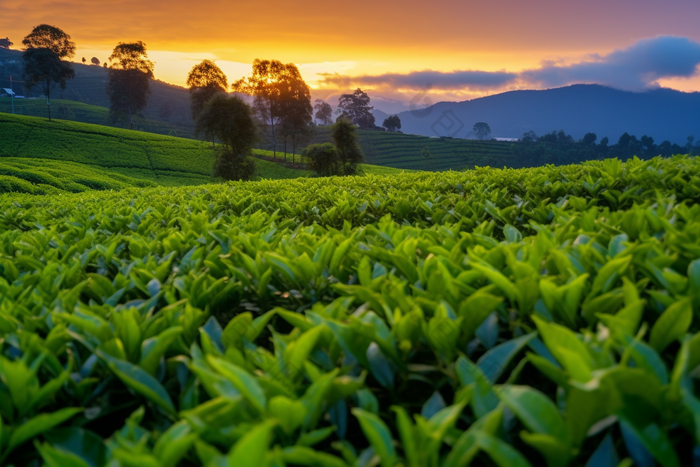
point(526, 317)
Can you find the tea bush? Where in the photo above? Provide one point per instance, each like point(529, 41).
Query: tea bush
point(541, 316)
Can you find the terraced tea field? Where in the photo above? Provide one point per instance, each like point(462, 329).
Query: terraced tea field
point(527, 317)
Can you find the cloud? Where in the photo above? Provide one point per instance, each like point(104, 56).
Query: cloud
point(426, 79)
point(635, 68)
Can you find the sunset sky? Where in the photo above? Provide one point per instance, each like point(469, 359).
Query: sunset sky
point(447, 49)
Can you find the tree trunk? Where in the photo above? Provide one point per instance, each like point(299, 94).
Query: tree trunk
point(274, 141)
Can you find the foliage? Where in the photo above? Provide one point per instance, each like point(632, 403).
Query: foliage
point(43, 67)
point(324, 112)
point(6, 43)
point(392, 123)
point(130, 73)
point(205, 80)
point(482, 130)
point(344, 136)
point(357, 109)
point(322, 158)
point(280, 94)
point(540, 316)
point(50, 37)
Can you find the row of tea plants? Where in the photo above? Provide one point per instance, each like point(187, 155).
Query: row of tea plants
point(526, 317)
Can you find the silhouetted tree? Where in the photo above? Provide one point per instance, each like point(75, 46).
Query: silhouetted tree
point(322, 159)
point(130, 73)
point(324, 112)
point(529, 137)
point(589, 139)
point(278, 89)
point(84, 60)
point(344, 135)
point(392, 123)
point(230, 120)
point(205, 80)
point(6, 43)
point(648, 145)
point(44, 68)
point(95, 61)
point(49, 37)
point(357, 108)
point(482, 130)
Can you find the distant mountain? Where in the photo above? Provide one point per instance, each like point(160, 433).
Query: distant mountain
point(663, 114)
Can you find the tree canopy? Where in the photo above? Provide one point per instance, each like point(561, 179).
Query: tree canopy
point(5, 43)
point(324, 112)
point(130, 72)
point(49, 37)
point(344, 136)
point(95, 61)
point(279, 91)
point(357, 108)
point(230, 120)
point(44, 68)
point(322, 158)
point(392, 123)
point(482, 130)
point(205, 80)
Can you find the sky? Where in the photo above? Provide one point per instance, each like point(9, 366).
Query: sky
point(405, 52)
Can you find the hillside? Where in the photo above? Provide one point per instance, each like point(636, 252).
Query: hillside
point(413, 152)
point(122, 155)
point(163, 160)
point(168, 103)
point(663, 114)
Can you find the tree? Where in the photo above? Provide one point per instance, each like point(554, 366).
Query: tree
point(392, 123)
point(324, 112)
point(297, 114)
point(84, 60)
point(6, 43)
point(205, 80)
point(95, 61)
point(230, 120)
point(344, 135)
point(52, 38)
point(44, 68)
point(322, 159)
point(529, 137)
point(357, 108)
point(130, 72)
point(277, 89)
point(482, 130)
point(589, 139)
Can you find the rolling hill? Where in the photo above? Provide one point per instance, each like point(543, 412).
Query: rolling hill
point(73, 156)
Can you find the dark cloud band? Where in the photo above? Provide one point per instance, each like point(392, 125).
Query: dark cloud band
point(635, 68)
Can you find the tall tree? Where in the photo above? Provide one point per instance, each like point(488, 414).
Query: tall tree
point(344, 136)
point(230, 120)
point(482, 130)
point(392, 123)
point(49, 37)
point(297, 114)
point(205, 80)
point(275, 86)
point(358, 109)
point(130, 73)
point(5, 43)
point(44, 68)
point(324, 112)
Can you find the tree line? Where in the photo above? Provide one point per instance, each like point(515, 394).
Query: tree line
point(558, 147)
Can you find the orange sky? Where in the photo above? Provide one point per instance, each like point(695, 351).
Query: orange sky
point(361, 37)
